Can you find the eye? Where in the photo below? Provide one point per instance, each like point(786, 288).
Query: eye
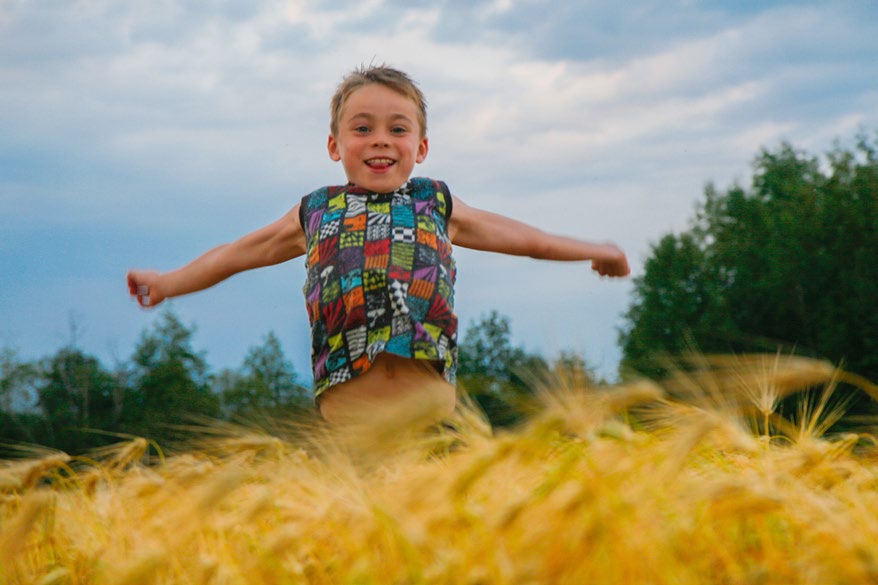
point(399, 130)
point(361, 129)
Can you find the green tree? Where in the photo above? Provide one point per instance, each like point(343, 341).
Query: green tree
point(267, 382)
point(791, 262)
point(171, 385)
point(16, 381)
point(672, 303)
point(76, 395)
point(17, 397)
point(496, 373)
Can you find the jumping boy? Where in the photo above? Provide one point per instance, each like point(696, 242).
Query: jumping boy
point(380, 281)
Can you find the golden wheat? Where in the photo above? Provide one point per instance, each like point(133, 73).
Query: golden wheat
point(697, 480)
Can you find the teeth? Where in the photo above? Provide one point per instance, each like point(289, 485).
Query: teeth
point(380, 161)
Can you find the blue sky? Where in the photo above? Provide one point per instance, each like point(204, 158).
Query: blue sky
point(142, 134)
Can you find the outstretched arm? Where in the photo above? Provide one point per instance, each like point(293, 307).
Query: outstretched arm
point(482, 230)
point(275, 243)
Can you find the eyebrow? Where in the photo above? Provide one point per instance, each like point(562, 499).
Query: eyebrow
point(393, 117)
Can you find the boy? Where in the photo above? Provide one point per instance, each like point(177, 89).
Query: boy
point(380, 274)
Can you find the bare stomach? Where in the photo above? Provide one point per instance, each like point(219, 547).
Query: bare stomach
point(398, 390)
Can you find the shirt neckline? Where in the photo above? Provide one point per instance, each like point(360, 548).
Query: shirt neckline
point(355, 189)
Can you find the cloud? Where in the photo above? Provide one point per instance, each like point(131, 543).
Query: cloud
point(167, 127)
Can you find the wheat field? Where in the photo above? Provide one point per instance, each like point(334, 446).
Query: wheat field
point(698, 479)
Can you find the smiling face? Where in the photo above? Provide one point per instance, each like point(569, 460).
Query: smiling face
point(378, 140)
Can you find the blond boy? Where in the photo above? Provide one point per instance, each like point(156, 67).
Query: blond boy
point(380, 274)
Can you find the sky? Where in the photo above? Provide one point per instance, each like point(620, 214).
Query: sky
point(141, 134)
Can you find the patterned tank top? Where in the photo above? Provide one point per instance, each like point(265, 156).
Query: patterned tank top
point(380, 278)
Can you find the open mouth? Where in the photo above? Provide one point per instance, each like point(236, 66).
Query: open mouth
point(380, 163)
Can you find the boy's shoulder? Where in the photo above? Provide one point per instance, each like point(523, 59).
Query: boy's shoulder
point(424, 189)
point(320, 197)
point(427, 184)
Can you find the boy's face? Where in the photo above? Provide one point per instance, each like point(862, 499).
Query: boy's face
point(379, 138)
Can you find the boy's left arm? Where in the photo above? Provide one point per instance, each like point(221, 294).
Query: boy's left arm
point(482, 230)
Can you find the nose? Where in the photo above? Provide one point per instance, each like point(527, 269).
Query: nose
point(380, 139)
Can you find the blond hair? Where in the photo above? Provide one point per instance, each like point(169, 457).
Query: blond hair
point(383, 75)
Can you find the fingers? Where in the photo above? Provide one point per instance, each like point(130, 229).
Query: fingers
point(613, 269)
point(621, 269)
point(610, 260)
point(140, 289)
point(143, 295)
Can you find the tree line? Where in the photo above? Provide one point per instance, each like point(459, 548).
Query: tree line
point(70, 401)
point(788, 263)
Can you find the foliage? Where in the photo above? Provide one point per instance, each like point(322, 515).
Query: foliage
point(503, 379)
point(487, 356)
point(491, 369)
point(789, 262)
point(76, 395)
point(76, 405)
point(16, 381)
point(266, 383)
point(171, 386)
point(17, 396)
point(69, 401)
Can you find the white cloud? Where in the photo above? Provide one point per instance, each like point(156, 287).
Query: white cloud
point(192, 122)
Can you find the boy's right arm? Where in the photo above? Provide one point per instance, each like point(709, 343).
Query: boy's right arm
point(275, 243)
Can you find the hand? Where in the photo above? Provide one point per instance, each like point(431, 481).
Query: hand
point(611, 261)
point(145, 286)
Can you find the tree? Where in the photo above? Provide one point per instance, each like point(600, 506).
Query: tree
point(791, 262)
point(672, 300)
point(17, 397)
point(76, 395)
point(171, 383)
point(16, 381)
point(267, 382)
point(495, 372)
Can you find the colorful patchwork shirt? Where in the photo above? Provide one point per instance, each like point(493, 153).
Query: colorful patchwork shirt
point(380, 278)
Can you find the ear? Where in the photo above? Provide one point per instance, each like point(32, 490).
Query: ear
point(423, 148)
point(332, 147)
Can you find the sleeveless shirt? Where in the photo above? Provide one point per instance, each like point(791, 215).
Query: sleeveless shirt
point(380, 278)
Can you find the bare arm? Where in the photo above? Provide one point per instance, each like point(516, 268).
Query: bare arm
point(275, 243)
point(482, 230)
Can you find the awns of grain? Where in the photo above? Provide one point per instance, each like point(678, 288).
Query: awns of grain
point(696, 479)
